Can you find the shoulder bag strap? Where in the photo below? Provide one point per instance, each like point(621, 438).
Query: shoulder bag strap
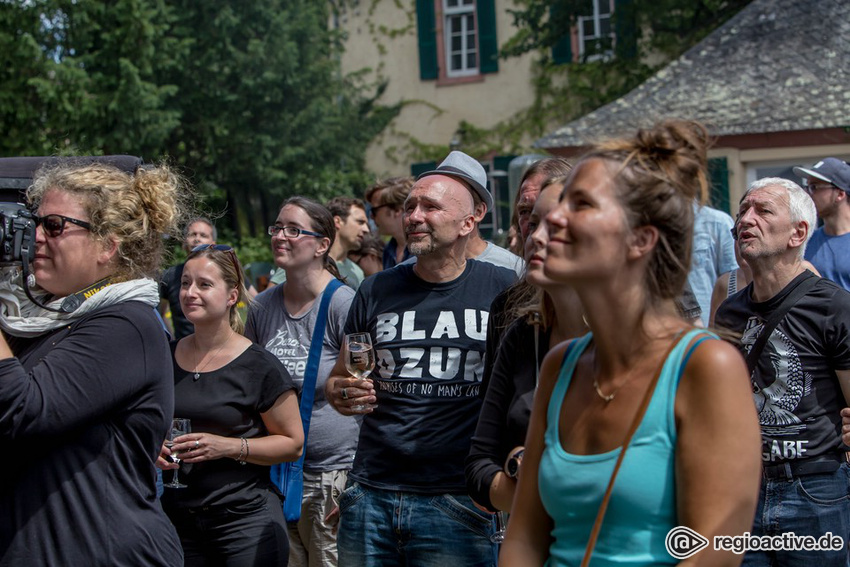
point(793, 297)
point(308, 388)
point(647, 397)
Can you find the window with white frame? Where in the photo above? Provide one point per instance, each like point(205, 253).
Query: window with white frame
point(459, 34)
point(595, 33)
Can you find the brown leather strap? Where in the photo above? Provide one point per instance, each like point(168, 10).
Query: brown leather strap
point(647, 397)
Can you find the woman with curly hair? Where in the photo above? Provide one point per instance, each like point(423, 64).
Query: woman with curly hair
point(87, 396)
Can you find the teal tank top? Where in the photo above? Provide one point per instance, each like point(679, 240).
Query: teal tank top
point(643, 501)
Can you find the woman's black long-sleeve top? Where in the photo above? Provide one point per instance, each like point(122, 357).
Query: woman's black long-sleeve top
point(508, 400)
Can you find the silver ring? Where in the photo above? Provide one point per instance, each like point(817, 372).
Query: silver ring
point(344, 393)
point(197, 443)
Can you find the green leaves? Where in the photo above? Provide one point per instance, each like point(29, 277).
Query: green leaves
point(247, 97)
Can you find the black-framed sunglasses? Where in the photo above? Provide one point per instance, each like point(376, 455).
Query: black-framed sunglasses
point(54, 225)
point(292, 231)
point(374, 210)
point(221, 248)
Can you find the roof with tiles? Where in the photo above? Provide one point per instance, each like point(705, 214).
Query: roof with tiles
point(776, 66)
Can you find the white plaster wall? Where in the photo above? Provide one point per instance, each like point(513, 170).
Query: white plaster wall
point(433, 112)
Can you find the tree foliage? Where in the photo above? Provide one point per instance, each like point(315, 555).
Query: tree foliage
point(78, 76)
point(246, 97)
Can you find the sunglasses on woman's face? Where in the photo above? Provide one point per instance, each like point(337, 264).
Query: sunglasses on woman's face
point(220, 248)
point(54, 225)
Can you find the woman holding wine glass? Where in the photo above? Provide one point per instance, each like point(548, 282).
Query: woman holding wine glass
point(87, 396)
point(244, 418)
point(283, 320)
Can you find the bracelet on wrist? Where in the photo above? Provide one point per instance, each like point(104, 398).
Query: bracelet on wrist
point(243, 451)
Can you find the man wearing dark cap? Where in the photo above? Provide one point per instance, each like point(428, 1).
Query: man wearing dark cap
point(406, 503)
point(828, 183)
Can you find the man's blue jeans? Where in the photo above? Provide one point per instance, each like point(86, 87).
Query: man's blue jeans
point(382, 528)
point(806, 505)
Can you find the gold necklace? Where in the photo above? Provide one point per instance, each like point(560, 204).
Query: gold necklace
point(197, 374)
point(605, 398)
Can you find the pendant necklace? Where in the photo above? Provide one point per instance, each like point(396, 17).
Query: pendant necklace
point(197, 374)
point(605, 398)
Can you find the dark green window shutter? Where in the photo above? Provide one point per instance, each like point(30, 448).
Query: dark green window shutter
point(625, 29)
point(562, 51)
point(501, 193)
point(417, 169)
point(718, 177)
point(489, 44)
point(426, 27)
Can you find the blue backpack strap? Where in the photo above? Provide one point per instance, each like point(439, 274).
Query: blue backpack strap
point(280, 472)
point(311, 374)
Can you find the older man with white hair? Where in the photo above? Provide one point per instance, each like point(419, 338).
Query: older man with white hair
point(795, 329)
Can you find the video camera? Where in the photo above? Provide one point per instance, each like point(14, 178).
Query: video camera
point(17, 221)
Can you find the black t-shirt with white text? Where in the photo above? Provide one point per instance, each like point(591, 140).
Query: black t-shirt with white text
point(795, 387)
point(429, 345)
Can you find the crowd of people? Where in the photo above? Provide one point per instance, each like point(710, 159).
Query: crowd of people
point(632, 362)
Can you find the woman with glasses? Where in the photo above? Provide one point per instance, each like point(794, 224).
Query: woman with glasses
point(244, 418)
point(282, 320)
point(87, 392)
point(672, 400)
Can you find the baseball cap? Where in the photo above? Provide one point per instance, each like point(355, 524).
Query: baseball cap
point(461, 166)
point(832, 170)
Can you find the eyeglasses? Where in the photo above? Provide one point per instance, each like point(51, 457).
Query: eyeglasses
point(292, 231)
point(813, 186)
point(220, 248)
point(54, 225)
point(374, 210)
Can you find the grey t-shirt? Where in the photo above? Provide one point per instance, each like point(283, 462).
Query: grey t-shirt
point(332, 439)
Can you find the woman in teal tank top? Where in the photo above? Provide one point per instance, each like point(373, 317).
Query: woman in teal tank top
point(621, 237)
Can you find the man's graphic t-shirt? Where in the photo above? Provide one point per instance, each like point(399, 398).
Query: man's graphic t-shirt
point(429, 347)
point(795, 388)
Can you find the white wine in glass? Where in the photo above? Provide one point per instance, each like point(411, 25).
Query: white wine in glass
point(179, 426)
point(359, 359)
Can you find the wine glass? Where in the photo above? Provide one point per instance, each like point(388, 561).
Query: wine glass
point(499, 535)
point(179, 426)
point(359, 359)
